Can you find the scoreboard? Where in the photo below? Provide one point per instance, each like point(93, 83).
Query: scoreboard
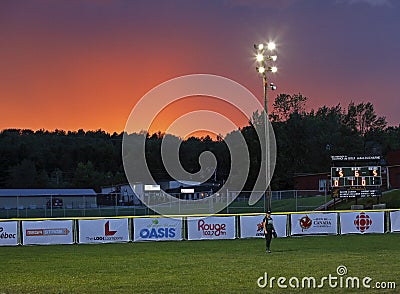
point(356, 176)
point(357, 181)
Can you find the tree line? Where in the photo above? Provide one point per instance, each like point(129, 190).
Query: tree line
point(91, 159)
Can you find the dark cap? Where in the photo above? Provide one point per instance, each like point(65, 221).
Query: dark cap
point(268, 211)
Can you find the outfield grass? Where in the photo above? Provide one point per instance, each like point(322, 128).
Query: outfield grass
point(226, 266)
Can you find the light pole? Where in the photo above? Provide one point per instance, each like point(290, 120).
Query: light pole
point(265, 64)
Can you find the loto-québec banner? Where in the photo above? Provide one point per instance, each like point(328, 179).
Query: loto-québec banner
point(8, 233)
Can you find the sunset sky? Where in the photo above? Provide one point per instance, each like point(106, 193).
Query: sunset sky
point(72, 64)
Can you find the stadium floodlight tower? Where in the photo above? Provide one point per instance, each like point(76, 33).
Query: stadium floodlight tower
point(266, 58)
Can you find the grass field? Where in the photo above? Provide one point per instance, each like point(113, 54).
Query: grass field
point(226, 266)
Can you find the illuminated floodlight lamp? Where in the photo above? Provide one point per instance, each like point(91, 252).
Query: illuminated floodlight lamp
point(271, 46)
point(261, 69)
point(259, 57)
point(273, 69)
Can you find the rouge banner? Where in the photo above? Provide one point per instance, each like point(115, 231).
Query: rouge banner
point(222, 227)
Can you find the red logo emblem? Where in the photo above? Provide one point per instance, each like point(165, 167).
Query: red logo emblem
point(305, 222)
point(260, 227)
point(362, 222)
point(107, 229)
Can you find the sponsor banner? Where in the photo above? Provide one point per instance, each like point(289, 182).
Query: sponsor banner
point(252, 227)
point(157, 229)
point(47, 232)
point(362, 222)
point(313, 223)
point(215, 227)
point(9, 233)
point(395, 221)
point(103, 230)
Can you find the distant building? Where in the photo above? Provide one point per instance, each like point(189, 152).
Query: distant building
point(312, 181)
point(393, 169)
point(43, 198)
point(121, 195)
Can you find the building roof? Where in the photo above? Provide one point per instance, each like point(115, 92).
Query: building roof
point(46, 192)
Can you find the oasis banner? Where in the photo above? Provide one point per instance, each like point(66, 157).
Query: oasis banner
point(313, 224)
point(9, 233)
point(47, 232)
point(103, 231)
point(252, 226)
point(157, 229)
point(214, 227)
point(395, 221)
point(362, 222)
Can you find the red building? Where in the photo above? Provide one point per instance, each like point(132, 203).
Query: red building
point(317, 181)
point(393, 169)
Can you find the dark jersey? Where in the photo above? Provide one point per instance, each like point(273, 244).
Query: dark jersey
point(269, 223)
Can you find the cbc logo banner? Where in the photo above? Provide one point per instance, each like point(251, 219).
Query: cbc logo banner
point(103, 231)
point(362, 222)
point(211, 228)
point(157, 229)
point(8, 233)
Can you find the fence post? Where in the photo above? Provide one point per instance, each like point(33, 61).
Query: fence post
point(295, 195)
point(227, 201)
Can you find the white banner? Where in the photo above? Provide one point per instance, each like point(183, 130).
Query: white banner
point(361, 222)
point(215, 227)
point(157, 229)
point(251, 226)
point(8, 233)
point(47, 232)
point(395, 221)
point(103, 231)
point(313, 223)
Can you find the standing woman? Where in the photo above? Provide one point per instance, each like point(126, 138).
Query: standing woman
point(269, 230)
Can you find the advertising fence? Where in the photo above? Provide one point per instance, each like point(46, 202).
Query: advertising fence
point(252, 226)
point(9, 233)
point(214, 227)
point(362, 222)
point(395, 221)
point(157, 229)
point(47, 232)
point(139, 229)
point(103, 230)
point(314, 224)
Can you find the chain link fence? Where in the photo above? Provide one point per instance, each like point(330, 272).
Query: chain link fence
point(103, 205)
